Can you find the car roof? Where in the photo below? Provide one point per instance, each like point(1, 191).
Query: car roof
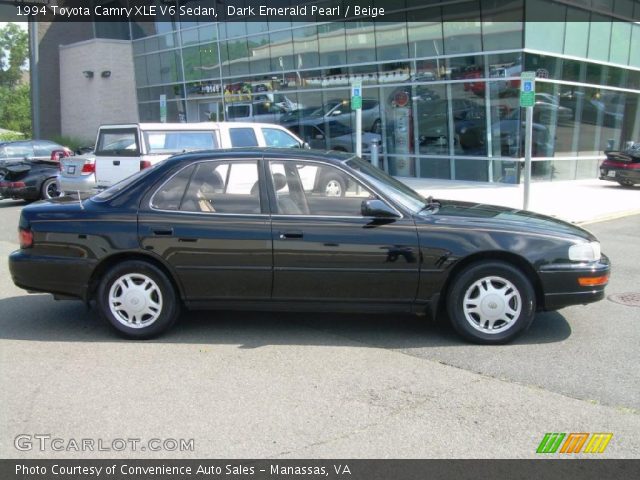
point(264, 153)
point(190, 126)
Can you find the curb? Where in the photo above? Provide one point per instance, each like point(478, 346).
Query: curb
point(611, 216)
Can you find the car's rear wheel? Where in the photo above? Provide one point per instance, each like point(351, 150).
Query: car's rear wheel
point(138, 300)
point(491, 302)
point(49, 189)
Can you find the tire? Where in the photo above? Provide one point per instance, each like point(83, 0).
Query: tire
point(145, 314)
point(333, 185)
point(49, 189)
point(485, 317)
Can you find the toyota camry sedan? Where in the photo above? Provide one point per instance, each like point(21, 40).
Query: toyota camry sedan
point(245, 229)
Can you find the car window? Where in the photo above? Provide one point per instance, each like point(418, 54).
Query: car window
point(179, 141)
point(223, 187)
point(171, 195)
point(243, 137)
point(238, 111)
point(274, 137)
point(307, 188)
point(118, 142)
point(18, 150)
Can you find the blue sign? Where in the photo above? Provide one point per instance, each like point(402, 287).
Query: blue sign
point(527, 87)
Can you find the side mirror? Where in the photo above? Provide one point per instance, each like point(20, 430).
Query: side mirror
point(319, 137)
point(306, 146)
point(377, 209)
point(336, 112)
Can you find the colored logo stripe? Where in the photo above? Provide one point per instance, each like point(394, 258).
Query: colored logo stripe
point(574, 443)
point(550, 443)
point(598, 442)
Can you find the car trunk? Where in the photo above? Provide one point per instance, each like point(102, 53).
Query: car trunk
point(73, 166)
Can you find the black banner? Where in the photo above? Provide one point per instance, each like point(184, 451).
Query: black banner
point(317, 469)
point(317, 10)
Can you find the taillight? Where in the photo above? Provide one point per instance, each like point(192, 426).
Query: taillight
point(144, 164)
point(89, 168)
point(13, 184)
point(26, 237)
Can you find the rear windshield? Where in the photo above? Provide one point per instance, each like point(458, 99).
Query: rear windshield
point(180, 141)
point(118, 142)
point(115, 189)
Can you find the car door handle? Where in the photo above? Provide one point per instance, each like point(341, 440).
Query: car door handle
point(286, 235)
point(116, 162)
point(163, 232)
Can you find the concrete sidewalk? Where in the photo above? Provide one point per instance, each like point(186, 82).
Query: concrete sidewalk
point(578, 201)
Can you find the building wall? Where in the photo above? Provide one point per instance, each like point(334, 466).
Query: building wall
point(50, 36)
point(86, 103)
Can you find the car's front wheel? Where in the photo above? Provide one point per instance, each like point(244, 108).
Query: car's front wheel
point(626, 183)
point(491, 302)
point(138, 300)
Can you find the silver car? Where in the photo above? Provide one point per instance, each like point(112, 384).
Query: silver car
point(77, 174)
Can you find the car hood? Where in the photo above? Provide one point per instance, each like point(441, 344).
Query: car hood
point(493, 217)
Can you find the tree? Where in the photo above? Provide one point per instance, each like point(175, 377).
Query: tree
point(15, 98)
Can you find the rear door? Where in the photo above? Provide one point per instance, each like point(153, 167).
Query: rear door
point(118, 152)
point(210, 223)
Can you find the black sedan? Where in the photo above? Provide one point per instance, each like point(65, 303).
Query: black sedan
point(622, 166)
point(29, 179)
point(244, 229)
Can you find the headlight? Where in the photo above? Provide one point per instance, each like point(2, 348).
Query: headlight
point(585, 252)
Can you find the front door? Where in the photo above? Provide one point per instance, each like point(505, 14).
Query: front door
point(207, 222)
point(326, 251)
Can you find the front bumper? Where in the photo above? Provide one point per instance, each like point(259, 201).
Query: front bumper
point(561, 288)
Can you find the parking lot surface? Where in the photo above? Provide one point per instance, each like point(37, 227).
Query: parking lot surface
point(320, 385)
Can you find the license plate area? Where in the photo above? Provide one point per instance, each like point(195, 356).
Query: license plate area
point(71, 170)
point(611, 173)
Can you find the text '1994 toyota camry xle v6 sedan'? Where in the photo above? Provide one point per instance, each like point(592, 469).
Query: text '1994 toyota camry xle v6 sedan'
point(246, 229)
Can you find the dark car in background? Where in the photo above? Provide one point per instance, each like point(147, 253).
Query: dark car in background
point(28, 169)
point(622, 167)
point(238, 229)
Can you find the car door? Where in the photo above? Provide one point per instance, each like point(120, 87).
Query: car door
point(324, 250)
point(209, 224)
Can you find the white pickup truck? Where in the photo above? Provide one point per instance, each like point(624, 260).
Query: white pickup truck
point(122, 150)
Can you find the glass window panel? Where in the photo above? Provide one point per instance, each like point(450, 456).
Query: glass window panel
point(620, 43)
point(332, 46)
point(361, 42)
point(469, 120)
point(634, 53)
point(461, 28)
point(391, 37)
point(281, 44)
point(237, 51)
point(259, 53)
point(140, 65)
point(425, 37)
point(576, 31)
point(546, 36)
point(502, 24)
point(431, 118)
point(473, 170)
point(599, 38)
point(305, 47)
point(435, 168)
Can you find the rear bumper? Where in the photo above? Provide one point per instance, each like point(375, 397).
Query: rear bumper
point(561, 288)
point(621, 175)
point(61, 276)
point(24, 193)
point(82, 183)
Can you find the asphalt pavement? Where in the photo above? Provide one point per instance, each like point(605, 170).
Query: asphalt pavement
point(285, 385)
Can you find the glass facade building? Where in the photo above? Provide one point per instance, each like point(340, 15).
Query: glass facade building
point(440, 81)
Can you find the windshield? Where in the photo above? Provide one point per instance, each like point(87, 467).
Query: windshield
point(394, 189)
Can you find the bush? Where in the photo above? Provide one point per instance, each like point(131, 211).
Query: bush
point(11, 136)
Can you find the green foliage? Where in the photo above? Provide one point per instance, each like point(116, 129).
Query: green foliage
point(15, 98)
point(14, 51)
point(15, 109)
point(11, 136)
point(74, 143)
